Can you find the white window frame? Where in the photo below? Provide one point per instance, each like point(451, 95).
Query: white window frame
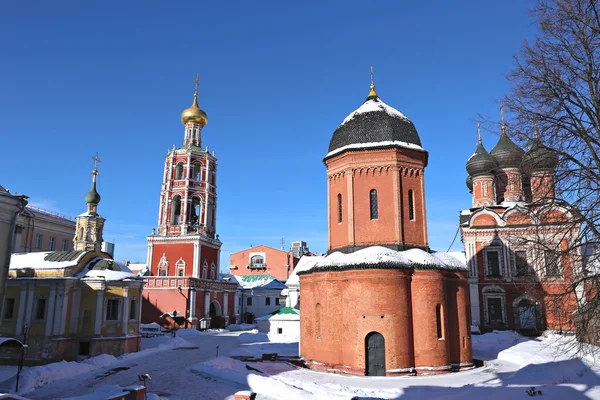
point(559, 264)
point(38, 240)
point(494, 292)
point(65, 244)
point(163, 264)
point(109, 299)
point(213, 271)
point(35, 310)
point(205, 270)
point(133, 310)
point(180, 267)
point(528, 257)
point(52, 243)
point(501, 269)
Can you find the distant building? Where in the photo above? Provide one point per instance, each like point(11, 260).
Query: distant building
point(285, 322)
point(108, 247)
point(520, 241)
point(299, 248)
point(42, 230)
point(292, 291)
point(263, 260)
point(184, 252)
point(67, 305)
point(260, 295)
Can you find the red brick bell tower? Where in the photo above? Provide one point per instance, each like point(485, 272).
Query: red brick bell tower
point(375, 175)
point(184, 253)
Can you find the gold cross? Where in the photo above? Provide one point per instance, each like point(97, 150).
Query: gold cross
point(197, 83)
point(502, 112)
point(96, 161)
point(372, 77)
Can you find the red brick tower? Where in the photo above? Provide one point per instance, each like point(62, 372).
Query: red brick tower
point(186, 244)
point(375, 170)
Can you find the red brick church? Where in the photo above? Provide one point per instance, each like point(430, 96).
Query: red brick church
point(184, 253)
point(380, 303)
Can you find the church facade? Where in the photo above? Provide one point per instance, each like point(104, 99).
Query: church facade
point(520, 240)
point(184, 252)
point(380, 303)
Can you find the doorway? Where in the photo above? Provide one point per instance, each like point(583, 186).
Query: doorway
point(216, 320)
point(375, 354)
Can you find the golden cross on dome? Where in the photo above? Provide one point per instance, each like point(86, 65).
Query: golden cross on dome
point(96, 161)
point(535, 131)
point(372, 93)
point(479, 132)
point(197, 83)
point(502, 112)
point(372, 77)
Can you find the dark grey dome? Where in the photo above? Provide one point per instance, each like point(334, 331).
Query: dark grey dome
point(481, 162)
point(469, 183)
point(374, 124)
point(506, 153)
point(539, 158)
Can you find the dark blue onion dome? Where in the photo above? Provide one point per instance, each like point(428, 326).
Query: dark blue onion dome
point(506, 153)
point(374, 125)
point(539, 157)
point(469, 183)
point(481, 162)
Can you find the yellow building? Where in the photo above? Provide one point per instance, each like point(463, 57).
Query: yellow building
point(67, 305)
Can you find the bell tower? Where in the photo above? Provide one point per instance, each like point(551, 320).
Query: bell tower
point(88, 232)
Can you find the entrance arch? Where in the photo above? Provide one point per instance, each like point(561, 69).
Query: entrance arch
point(375, 354)
point(216, 319)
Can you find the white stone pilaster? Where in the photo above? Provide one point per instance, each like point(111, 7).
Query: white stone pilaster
point(99, 308)
point(225, 311)
point(21, 312)
point(125, 316)
point(196, 261)
point(206, 303)
point(30, 305)
point(192, 316)
point(51, 310)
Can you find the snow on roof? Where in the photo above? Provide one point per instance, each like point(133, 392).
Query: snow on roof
point(46, 259)
point(284, 314)
point(119, 271)
point(378, 255)
point(372, 106)
point(258, 281)
point(305, 263)
point(384, 143)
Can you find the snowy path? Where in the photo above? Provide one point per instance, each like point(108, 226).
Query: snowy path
point(169, 370)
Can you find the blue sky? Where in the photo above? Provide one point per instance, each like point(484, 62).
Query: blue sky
point(276, 79)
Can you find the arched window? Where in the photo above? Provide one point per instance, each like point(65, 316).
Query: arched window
point(197, 174)
point(257, 262)
point(213, 271)
point(439, 318)
point(195, 211)
point(80, 234)
point(176, 210)
point(180, 267)
point(204, 270)
point(318, 321)
point(411, 205)
point(163, 266)
point(339, 205)
point(179, 171)
point(374, 206)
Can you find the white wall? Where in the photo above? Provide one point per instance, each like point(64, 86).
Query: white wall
point(288, 328)
point(259, 296)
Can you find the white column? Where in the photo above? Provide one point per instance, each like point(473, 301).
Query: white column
point(30, 305)
point(140, 298)
point(51, 310)
point(206, 302)
point(99, 308)
point(192, 316)
point(149, 256)
point(125, 316)
point(236, 304)
point(225, 304)
point(74, 323)
point(196, 262)
point(206, 183)
point(21, 313)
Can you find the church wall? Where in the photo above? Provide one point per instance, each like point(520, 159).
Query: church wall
point(339, 310)
point(173, 251)
point(382, 229)
point(415, 233)
point(338, 231)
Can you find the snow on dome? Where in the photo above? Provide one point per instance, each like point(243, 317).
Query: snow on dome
point(45, 260)
point(378, 255)
point(373, 105)
point(119, 271)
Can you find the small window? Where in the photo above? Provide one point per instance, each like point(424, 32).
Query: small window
point(521, 267)
point(112, 310)
point(494, 307)
point(276, 301)
point(552, 263)
point(339, 201)
point(318, 321)
point(84, 348)
point(257, 262)
point(411, 205)
point(38, 241)
point(493, 263)
point(133, 308)
point(162, 272)
point(213, 272)
point(249, 301)
point(9, 308)
point(439, 318)
point(52, 243)
point(65, 245)
point(40, 308)
point(267, 301)
point(280, 330)
point(373, 203)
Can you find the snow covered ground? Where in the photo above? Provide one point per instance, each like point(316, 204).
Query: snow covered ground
point(188, 367)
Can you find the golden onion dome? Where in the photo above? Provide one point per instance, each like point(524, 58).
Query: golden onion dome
point(194, 114)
